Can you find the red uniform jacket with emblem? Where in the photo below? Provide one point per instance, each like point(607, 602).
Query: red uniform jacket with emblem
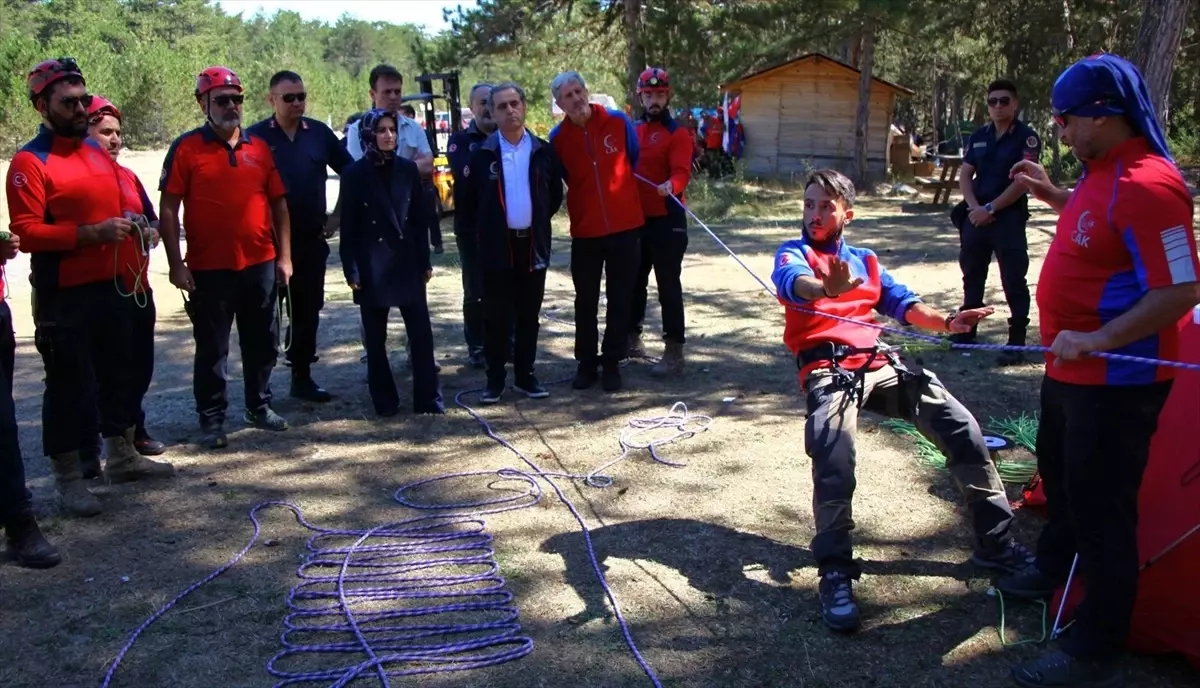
point(598, 163)
point(665, 153)
point(1126, 230)
point(56, 184)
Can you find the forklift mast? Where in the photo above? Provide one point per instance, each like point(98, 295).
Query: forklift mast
point(450, 93)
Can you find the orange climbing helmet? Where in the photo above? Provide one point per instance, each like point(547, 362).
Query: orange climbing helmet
point(50, 72)
point(215, 77)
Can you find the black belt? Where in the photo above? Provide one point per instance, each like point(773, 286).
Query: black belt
point(520, 233)
point(831, 351)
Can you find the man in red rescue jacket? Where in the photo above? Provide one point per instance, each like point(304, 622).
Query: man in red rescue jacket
point(598, 149)
point(844, 367)
point(64, 202)
point(665, 159)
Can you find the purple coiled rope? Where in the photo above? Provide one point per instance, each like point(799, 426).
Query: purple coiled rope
point(940, 341)
point(416, 561)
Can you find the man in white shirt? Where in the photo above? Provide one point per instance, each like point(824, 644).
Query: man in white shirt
point(387, 88)
point(513, 187)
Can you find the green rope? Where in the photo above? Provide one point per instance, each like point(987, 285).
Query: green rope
point(1027, 641)
point(1023, 430)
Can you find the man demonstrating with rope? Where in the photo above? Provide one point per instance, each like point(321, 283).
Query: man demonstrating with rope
point(1120, 274)
point(65, 204)
point(238, 251)
point(830, 290)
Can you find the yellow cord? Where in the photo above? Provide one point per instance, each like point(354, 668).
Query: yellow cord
point(139, 294)
point(1027, 641)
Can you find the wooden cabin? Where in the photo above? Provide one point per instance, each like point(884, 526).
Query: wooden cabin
point(800, 115)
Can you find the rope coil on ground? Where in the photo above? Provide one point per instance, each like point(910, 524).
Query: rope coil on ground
point(365, 587)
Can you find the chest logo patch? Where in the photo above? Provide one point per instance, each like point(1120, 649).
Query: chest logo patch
point(1083, 227)
point(654, 138)
point(609, 146)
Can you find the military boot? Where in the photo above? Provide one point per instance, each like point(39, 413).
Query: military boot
point(69, 480)
point(26, 544)
point(671, 363)
point(637, 348)
point(125, 464)
point(1016, 337)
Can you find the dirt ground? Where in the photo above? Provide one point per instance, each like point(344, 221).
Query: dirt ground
point(710, 562)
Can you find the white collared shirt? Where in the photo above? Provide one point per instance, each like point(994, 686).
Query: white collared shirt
point(518, 197)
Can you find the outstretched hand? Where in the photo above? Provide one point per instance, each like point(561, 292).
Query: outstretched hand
point(964, 321)
point(1032, 177)
point(838, 280)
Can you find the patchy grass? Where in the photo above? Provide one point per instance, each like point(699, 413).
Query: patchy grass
point(710, 562)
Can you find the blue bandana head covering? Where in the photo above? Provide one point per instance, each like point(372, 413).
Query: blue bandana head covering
point(1106, 85)
point(366, 135)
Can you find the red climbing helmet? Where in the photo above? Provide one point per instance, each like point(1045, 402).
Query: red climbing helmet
point(46, 73)
point(100, 107)
point(214, 77)
point(653, 79)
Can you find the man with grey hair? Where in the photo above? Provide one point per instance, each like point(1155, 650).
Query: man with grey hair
point(512, 187)
point(598, 149)
point(458, 151)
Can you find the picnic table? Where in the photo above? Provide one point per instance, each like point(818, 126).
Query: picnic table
point(948, 181)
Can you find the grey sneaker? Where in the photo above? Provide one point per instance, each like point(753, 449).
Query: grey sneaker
point(1012, 558)
point(265, 419)
point(1030, 584)
point(213, 436)
point(1061, 670)
point(839, 609)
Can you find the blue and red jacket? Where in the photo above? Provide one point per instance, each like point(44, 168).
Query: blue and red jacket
point(55, 185)
point(1126, 230)
point(879, 293)
point(483, 211)
point(598, 161)
point(665, 153)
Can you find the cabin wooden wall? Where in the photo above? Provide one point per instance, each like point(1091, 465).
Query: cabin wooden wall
point(805, 115)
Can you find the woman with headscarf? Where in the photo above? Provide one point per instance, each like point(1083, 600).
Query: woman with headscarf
point(385, 257)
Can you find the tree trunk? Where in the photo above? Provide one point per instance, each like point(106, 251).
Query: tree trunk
point(635, 52)
point(1158, 39)
point(1068, 32)
point(860, 173)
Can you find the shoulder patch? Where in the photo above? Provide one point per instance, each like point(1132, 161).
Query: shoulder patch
point(466, 170)
point(19, 179)
point(1032, 141)
point(785, 259)
point(452, 147)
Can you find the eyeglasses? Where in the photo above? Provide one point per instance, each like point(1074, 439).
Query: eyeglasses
point(290, 98)
point(1060, 116)
point(1002, 101)
point(224, 101)
point(72, 102)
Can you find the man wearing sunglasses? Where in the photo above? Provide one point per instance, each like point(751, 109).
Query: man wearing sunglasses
point(1119, 276)
point(64, 201)
point(238, 251)
point(303, 148)
point(997, 212)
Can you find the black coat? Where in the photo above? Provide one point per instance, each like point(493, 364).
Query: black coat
point(384, 236)
point(483, 202)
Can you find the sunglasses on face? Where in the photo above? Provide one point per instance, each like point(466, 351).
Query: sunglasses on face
point(1002, 101)
point(290, 98)
point(224, 101)
point(72, 102)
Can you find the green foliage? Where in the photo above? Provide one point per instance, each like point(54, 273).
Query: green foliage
point(144, 56)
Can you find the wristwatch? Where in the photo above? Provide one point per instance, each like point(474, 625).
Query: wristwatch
point(988, 207)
